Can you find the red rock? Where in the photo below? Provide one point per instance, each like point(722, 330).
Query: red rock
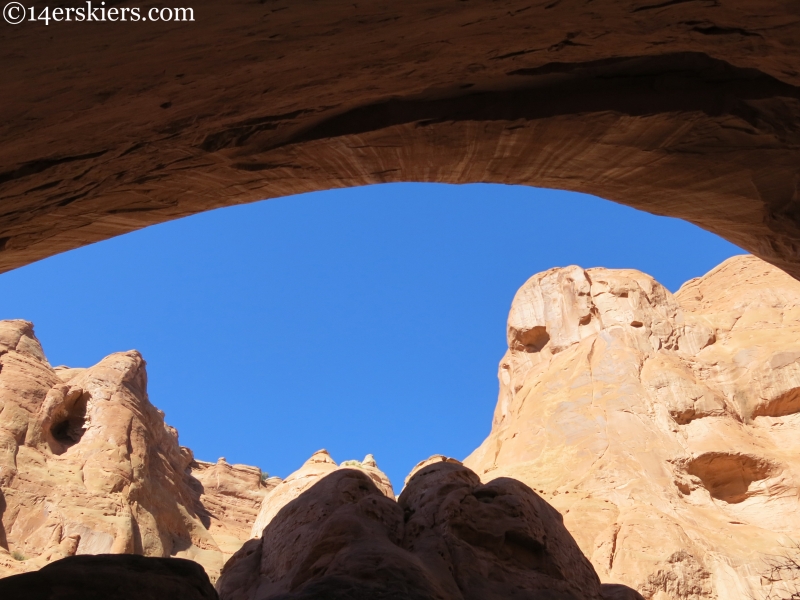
point(88, 466)
point(448, 537)
point(687, 109)
point(111, 577)
point(318, 466)
point(663, 427)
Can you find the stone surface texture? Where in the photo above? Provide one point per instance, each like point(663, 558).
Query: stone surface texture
point(684, 108)
point(665, 428)
point(230, 497)
point(447, 537)
point(88, 466)
point(318, 466)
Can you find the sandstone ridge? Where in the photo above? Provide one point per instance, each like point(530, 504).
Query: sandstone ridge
point(318, 466)
point(447, 537)
point(88, 466)
point(664, 427)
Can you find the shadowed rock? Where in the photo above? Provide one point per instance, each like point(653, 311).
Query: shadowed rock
point(688, 109)
point(111, 577)
point(448, 537)
point(316, 467)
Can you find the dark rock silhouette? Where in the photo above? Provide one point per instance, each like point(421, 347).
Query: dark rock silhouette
point(448, 537)
point(111, 577)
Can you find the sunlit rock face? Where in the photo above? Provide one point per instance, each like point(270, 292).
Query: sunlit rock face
point(88, 466)
point(665, 428)
point(447, 537)
point(229, 498)
point(318, 466)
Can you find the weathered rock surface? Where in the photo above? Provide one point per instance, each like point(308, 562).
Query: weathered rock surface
point(229, 501)
point(315, 468)
point(111, 577)
point(689, 109)
point(88, 466)
point(448, 537)
point(665, 428)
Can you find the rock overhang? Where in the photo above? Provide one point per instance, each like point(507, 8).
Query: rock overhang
point(688, 110)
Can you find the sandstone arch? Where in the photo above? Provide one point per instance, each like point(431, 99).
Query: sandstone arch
point(686, 108)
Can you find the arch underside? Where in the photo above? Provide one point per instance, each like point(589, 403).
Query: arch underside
point(682, 108)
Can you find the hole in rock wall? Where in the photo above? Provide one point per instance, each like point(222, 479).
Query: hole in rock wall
point(68, 429)
point(533, 340)
point(727, 477)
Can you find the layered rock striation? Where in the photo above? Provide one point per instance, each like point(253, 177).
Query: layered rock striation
point(665, 428)
point(689, 109)
point(88, 466)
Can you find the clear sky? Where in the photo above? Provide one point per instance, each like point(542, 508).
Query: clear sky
point(365, 320)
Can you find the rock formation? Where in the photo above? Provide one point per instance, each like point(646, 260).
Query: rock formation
point(689, 109)
point(88, 466)
point(318, 466)
point(230, 497)
point(111, 577)
point(665, 428)
point(448, 537)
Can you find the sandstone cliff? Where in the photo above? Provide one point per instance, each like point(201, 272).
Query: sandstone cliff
point(315, 468)
point(88, 466)
point(665, 428)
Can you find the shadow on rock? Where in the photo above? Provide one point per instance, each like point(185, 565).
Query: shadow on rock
point(112, 577)
point(448, 537)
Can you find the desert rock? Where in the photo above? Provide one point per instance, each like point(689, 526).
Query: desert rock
point(447, 537)
point(315, 468)
point(230, 497)
point(88, 466)
point(665, 428)
point(688, 109)
point(111, 577)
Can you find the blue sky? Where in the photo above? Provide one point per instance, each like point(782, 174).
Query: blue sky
point(363, 320)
